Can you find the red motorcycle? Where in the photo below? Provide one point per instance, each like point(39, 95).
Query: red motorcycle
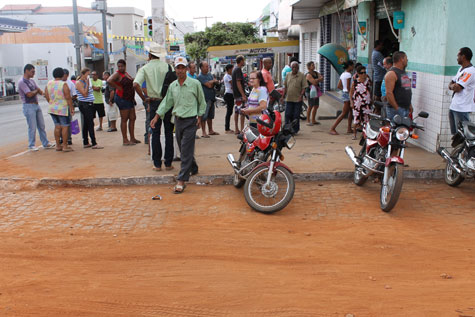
point(268, 183)
point(382, 153)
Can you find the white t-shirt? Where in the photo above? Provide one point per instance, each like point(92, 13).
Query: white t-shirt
point(71, 87)
point(464, 100)
point(344, 80)
point(228, 88)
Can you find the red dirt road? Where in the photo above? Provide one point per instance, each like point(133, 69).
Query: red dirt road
point(332, 252)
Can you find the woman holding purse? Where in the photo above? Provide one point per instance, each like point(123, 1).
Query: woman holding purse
point(313, 93)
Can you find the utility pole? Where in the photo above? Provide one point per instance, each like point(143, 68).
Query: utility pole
point(101, 5)
point(77, 43)
point(206, 20)
point(158, 18)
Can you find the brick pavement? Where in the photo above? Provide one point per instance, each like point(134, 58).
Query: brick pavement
point(130, 209)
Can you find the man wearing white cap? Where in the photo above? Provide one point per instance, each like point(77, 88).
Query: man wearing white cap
point(154, 74)
point(186, 100)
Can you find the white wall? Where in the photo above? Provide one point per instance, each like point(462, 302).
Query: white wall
point(18, 55)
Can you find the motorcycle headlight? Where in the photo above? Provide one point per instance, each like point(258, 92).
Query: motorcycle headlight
point(290, 142)
point(402, 134)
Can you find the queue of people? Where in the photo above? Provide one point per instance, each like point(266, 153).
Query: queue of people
point(183, 101)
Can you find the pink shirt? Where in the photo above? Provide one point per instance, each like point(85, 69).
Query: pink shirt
point(268, 79)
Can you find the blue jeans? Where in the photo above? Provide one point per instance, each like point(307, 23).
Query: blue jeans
point(391, 112)
point(292, 112)
point(35, 120)
point(455, 117)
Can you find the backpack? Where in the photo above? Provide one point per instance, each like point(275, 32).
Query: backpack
point(169, 78)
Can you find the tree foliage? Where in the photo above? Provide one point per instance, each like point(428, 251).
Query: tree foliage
point(220, 34)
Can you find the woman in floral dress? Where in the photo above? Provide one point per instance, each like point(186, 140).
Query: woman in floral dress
point(360, 93)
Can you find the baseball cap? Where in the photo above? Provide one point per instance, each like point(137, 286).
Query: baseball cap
point(180, 60)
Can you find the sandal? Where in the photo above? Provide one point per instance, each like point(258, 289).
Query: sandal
point(136, 141)
point(179, 188)
point(213, 133)
point(68, 149)
point(128, 144)
point(169, 168)
point(87, 145)
point(157, 169)
point(97, 147)
point(332, 132)
point(205, 136)
point(353, 137)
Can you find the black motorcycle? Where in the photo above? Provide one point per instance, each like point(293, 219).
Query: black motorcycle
point(461, 161)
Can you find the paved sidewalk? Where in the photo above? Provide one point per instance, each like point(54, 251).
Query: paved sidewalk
point(317, 155)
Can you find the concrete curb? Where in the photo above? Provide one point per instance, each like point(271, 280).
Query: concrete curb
point(200, 179)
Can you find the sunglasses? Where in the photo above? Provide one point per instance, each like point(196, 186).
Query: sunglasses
point(361, 73)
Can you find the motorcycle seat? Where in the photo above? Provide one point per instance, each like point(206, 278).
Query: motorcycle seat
point(469, 130)
point(375, 124)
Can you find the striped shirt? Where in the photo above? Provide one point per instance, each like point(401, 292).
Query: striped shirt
point(90, 95)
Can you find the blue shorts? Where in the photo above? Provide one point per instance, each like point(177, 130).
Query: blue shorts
point(345, 96)
point(123, 104)
point(63, 121)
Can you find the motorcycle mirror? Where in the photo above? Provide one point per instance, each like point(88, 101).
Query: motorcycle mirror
point(423, 114)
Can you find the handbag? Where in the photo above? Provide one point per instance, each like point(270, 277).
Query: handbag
point(75, 127)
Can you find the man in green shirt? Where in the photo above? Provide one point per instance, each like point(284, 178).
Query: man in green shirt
point(98, 98)
point(186, 100)
point(153, 74)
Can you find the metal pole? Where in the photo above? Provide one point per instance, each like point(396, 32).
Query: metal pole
point(77, 44)
point(104, 37)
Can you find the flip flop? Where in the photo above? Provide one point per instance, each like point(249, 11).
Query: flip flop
point(97, 147)
point(157, 169)
point(169, 168)
point(68, 149)
point(86, 146)
point(333, 133)
point(353, 137)
point(128, 144)
point(310, 124)
point(179, 189)
point(214, 133)
point(137, 141)
point(205, 136)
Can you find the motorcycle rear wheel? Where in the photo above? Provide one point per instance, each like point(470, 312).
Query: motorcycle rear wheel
point(452, 178)
point(392, 189)
point(303, 111)
point(282, 181)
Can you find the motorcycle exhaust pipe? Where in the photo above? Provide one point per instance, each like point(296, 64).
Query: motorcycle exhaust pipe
point(349, 151)
point(446, 156)
point(231, 161)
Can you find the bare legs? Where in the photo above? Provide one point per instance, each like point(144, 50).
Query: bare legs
point(346, 111)
point(61, 132)
point(127, 118)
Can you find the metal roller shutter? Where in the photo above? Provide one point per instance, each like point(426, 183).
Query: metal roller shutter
point(314, 47)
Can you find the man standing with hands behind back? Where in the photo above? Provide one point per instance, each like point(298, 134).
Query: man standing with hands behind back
point(186, 99)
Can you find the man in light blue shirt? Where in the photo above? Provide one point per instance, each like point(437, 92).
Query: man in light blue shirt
point(378, 69)
point(192, 70)
point(287, 69)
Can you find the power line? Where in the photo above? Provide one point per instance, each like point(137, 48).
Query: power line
point(205, 18)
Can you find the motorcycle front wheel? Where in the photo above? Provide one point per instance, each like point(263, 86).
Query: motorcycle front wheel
point(390, 193)
point(237, 180)
point(359, 178)
point(452, 178)
point(272, 197)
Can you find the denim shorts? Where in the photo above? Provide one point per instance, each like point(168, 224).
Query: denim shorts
point(123, 104)
point(63, 121)
point(345, 96)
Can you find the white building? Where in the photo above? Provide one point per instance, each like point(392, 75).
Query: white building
point(127, 22)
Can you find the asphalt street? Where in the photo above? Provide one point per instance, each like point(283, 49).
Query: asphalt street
point(13, 127)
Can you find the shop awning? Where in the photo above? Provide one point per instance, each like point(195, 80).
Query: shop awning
point(254, 49)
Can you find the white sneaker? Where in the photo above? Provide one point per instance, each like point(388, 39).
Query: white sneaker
point(49, 146)
point(33, 148)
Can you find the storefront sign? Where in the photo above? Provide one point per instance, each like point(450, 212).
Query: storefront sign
point(414, 80)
